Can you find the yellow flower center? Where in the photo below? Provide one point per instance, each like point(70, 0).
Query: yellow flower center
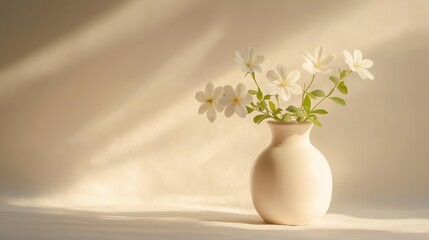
point(236, 100)
point(210, 101)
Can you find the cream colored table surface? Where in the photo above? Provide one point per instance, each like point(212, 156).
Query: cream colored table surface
point(34, 223)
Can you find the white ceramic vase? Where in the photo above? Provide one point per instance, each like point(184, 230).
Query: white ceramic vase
point(291, 181)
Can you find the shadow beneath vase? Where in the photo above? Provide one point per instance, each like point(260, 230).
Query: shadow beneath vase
point(51, 223)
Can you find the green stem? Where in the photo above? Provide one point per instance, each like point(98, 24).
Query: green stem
point(254, 79)
point(329, 94)
point(271, 116)
point(268, 112)
point(306, 88)
point(277, 98)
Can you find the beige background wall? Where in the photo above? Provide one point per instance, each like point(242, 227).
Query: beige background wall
point(97, 101)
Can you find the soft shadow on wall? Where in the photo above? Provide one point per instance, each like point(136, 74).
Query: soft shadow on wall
point(33, 116)
point(42, 115)
point(30, 25)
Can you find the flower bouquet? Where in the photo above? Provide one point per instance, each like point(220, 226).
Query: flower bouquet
point(282, 84)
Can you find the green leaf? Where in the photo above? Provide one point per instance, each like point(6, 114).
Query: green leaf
point(342, 88)
point(263, 104)
point(259, 95)
point(259, 118)
point(319, 111)
point(334, 79)
point(249, 109)
point(312, 96)
point(286, 117)
point(316, 123)
point(278, 110)
point(299, 113)
point(267, 97)
point(338, 101)
point(272, 106)
point(292, 108)
point(318, 93)
point(312, 117)
point(344, 73)
point(252, 92)
point(263, 118)
point(306, 103)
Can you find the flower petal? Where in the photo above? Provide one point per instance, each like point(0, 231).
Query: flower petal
point(209, 89)
point(225, 101)
point(245, 68)
point(282, 70)
point(257, 68)
point(361, 74)
point(350, 63)
point(250, 54)
point(228, 91)
point(272, 76)
point(239, 57)
point(357, 54)
point(324, 70)
point(318, 53)
point(217, 93)
point(272, 89)
point(241, 110)
point(284, 94)
point(294, 88)
point(245, 100)
point(308, 58)
point(367, 73)
point(218, 107)
point(200, 96)
point(327, 60)
point(348, 57)
point(203, 108)
point(367, 63)
point(229, 110)
point(211, 114)
point(240, 90)
point(293, 76)
point(309, 67)
point(258, 60)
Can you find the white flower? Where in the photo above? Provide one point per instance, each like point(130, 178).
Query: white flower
point(319, 62)
point(210, 101)
point(359, 65)
point(249, 62)
point(236, 100)
point(283, 83)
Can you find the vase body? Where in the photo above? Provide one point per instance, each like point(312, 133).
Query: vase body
point(291, 181)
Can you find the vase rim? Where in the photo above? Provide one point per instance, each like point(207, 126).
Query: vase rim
point(289, 123)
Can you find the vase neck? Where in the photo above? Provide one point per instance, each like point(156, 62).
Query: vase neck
point(290, 132)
